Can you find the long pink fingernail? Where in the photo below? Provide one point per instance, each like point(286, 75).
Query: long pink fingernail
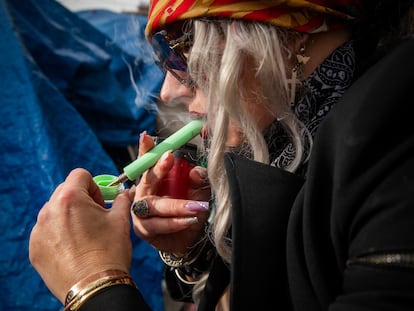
point(197, 206)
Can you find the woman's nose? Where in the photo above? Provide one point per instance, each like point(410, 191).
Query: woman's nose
point(172, 89)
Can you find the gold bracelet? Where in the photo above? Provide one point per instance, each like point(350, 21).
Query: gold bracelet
point(86, 288)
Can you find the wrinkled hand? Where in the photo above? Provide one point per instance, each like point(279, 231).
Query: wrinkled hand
point(173, 225)
point(75, 236)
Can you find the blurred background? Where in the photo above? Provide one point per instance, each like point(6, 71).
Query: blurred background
point(78, 86)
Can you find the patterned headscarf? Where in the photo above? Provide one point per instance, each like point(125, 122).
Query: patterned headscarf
point(301, 15)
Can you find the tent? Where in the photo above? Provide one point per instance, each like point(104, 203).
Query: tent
point(72, 85)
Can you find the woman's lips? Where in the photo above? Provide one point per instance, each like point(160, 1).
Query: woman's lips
point(197, 115)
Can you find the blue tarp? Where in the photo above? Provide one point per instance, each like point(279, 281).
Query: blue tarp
point(69, 84)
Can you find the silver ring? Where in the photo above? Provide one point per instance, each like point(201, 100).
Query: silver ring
point(140, 208)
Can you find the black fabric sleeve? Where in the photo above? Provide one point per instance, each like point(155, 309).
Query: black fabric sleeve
point(116, 298)
point(357, 206)
point(261, 197)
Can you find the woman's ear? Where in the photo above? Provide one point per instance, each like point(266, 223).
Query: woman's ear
point(300, 42)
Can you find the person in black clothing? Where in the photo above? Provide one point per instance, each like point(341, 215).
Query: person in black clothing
point(327, 226)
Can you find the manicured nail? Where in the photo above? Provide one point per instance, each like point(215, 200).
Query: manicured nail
point(188, 220)
point(202, 172)
point(131, 192)
point(165, 155)
point(197, 206)
point(141, 136)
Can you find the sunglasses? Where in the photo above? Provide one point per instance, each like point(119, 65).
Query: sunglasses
point(169, 55)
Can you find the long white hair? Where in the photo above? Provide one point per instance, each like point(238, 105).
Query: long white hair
point(233, 62)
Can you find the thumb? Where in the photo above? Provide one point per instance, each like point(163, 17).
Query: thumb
point(145, 143)
point(122, 204)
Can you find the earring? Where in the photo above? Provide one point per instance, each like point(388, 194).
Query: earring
point(297, 70)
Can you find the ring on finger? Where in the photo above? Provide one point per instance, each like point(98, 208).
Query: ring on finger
point(140, 208)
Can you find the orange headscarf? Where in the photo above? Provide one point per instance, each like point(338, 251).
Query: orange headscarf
point(301, 15)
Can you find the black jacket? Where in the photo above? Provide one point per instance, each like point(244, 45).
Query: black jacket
point(344, 238)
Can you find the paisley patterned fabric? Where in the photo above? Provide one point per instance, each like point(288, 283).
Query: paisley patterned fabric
point(301, 15)
point(319, 92)
point(315, 99)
